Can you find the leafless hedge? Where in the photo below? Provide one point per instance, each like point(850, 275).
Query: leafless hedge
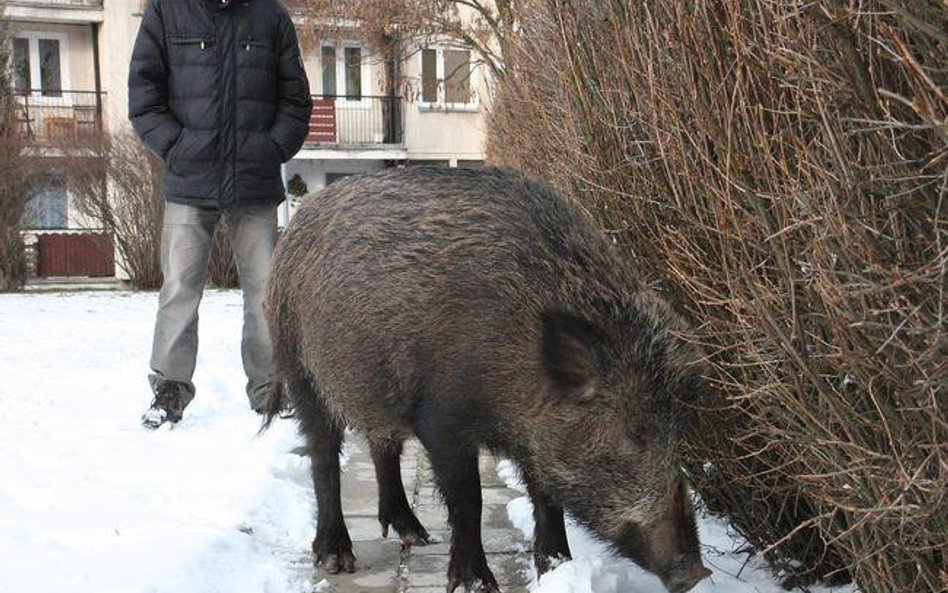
point(16, 175)
point(221, 267)
point(780, 170)
point(115, 182)
point(15, 185)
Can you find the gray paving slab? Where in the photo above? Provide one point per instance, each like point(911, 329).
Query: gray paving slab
point(384, 566)
point(377, 564)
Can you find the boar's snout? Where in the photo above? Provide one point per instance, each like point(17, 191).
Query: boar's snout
point(666, 543)
point(680, 574)
point(684, 575)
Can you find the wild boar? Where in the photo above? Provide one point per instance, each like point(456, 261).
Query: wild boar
point(479, 309)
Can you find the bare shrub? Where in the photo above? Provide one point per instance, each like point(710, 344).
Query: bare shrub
point(15, 184)
point(221, 266)
point(116, 182)
point(15, 175)
point(780, 169)
point(483, 25)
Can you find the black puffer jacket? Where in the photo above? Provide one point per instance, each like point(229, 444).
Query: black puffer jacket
point(217, 89)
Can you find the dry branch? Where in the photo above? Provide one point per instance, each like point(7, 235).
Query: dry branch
point(780, 171)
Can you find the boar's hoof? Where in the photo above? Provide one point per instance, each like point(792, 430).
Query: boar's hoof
point(476, 579)
point(416, 539)
point(476, 586)
point(334, 558)
point(336, 563)
point(409, 529)
point(547, 562)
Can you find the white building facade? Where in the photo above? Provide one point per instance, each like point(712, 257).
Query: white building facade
point(70, 69)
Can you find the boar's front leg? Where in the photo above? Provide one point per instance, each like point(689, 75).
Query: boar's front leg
point(332, 546)
point(455, 470)
point(549, 541)
point(394, 509)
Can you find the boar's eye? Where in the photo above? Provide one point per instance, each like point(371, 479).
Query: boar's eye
point(569, 354)
point(643, 437)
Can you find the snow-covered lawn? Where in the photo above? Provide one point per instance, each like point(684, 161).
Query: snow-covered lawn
point(92, 503)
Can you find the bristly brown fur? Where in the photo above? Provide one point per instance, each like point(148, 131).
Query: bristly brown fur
point(477, 308)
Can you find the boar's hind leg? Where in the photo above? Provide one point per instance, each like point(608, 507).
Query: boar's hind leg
point(332, 547)
point(549, 540)
point(455, 470)
point(394, 509)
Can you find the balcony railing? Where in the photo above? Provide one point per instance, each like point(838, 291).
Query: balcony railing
point(51, 117)
point(59, 3)
point(355, 121)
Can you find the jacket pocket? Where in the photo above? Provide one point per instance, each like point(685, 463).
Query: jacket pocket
point(192, 49)
point(201, 42)
point(194, 153)
point(277, 151)
point(258, 154)
point(173, 152)
point(256, 53)
point(251, 44)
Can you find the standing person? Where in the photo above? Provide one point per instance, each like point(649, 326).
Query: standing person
point(216, 89)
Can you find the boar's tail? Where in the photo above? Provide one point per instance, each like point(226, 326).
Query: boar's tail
point(275, 403)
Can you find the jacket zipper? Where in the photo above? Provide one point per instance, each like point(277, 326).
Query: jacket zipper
point(202, 41)
point(233, 97)
point(249, 42)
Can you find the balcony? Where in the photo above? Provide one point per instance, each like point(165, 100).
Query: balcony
point(339, 122)
point(48, 117)
point(55, 11)
point(80, 4)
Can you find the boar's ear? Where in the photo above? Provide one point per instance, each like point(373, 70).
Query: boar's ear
point(569, 353)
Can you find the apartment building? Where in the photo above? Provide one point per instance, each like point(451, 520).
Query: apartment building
point(70, 62)
point(362, 121)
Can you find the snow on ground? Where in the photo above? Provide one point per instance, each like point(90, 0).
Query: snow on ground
point(595, 569)
point(92, 503)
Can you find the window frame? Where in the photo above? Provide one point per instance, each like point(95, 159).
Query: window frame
point(36, 75)
point(340, 74)
point(323, 70)
point(441, 104)
point(56, 189)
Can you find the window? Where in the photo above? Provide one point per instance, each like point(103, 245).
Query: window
point(22, 82)
point(429, 76)
point(38, 65)
point(349, 70)
point(329, 70)
point(446, 77)
point(334, 177)
point(457, 76)
point(51, 80)
point(354, 73)
point(47, 208)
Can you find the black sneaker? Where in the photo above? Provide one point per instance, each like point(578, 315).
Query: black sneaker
point(171, 397)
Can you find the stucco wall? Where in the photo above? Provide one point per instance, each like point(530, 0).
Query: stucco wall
point(116, 38)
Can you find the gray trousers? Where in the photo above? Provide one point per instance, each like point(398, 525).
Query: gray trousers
point(185, 249)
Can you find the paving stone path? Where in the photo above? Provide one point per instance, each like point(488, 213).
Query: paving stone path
point(382, 566)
